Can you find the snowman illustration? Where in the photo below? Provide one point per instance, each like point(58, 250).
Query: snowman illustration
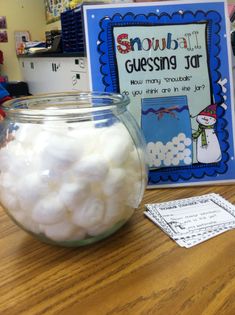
point(207, 144)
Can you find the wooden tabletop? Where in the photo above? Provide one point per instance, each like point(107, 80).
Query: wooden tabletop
point(138, 270)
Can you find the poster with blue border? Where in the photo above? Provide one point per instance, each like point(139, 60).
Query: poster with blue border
point(173, 61)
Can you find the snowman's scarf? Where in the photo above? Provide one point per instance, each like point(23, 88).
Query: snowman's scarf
point(201, 131)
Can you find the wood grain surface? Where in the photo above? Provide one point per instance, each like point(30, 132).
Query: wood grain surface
point(138, 270)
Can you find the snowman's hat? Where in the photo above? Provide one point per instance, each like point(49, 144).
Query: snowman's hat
point(209, 111)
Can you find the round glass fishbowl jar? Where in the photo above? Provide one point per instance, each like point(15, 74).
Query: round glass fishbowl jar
point(72, 165)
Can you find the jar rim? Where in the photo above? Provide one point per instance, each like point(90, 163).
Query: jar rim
point(65, 105)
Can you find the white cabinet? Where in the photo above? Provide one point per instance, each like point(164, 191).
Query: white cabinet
point(55, 74)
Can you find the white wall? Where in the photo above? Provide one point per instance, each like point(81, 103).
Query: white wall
point(21, 15)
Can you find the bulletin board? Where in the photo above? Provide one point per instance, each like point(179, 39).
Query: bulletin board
point(53, 9)
point(173, 61)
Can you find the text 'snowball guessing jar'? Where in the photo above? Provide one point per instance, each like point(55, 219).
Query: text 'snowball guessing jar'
point(72, 166)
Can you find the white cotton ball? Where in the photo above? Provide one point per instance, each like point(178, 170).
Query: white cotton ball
point(86, 138)
point(73, 193)
point(187, 152)
point(187, 142)
point(151, 148)
point(98, 229)
point(167, 162)
point(7, 181)
point(181, 146)
point(181, 136)
point(62, 150)
point(159, 146)
point(114, 181)
point(169, 146)
point(101, 228)
point(131, 176)
point(175, 140)
point(55, 164)
point(175, 150)
point(114, 210)
point(13, 148)
point(40, 142)
point(61, 231)
point(169, 155)
point(134, 159)
point(150, 157)
point(63, 147)
point(5, 157)
point(180, 156)
point(25, 221)
point(187, 160)
point(60, 128)
point(161, 156)
point(34, 183)
point(27, 133)
point(164, 149)
point(42, 160)
point(92, 167)
point(157, 162)
point(136, 171)
point(30, 190)
point(151, 161)
point(45, 175)
point(30, 225)
point(90, 213)
point(9, 200)
point(116, 148)
point(22, 132)
point(175, 161)
point(53, 171)
point(135, 194)
point(49, 210)
point(19, 163)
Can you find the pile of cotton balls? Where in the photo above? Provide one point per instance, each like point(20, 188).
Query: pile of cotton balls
point(70, 182)
point(173, 153)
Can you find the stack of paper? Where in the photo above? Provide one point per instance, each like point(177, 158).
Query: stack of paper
point(193, 220)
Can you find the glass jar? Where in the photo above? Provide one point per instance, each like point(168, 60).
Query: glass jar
point(72, 166)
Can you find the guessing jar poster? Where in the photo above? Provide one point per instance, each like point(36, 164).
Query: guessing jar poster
point(173, 61)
